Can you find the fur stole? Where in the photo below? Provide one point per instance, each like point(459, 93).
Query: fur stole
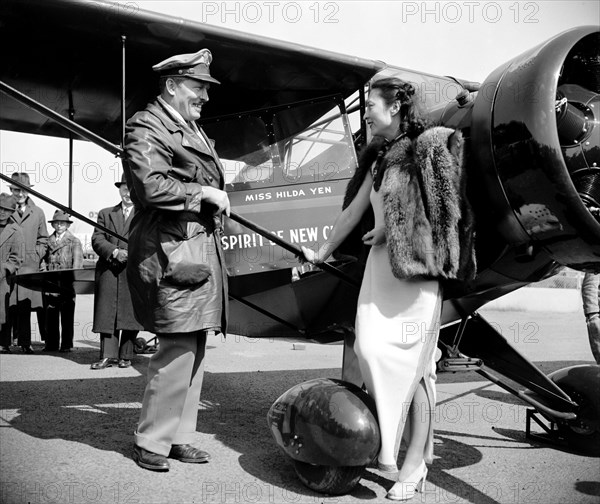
point(428, 221)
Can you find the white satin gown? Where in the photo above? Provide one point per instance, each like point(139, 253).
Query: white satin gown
point(397, 326)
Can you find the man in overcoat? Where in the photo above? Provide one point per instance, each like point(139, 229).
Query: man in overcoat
point(32, 221)
point(175, 268)
point(12, 252)
point(113, 310)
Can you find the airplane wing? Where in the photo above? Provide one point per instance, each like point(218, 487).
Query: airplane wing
point(67, 54)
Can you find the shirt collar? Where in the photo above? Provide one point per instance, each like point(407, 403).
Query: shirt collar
point(192, 124)
point(174, 112)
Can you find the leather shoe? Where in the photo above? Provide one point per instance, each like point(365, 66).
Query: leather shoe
point(187, 453)
point(65, 350)
point(150, 460)
point(27, 349)
point(103, 363)
point(5, 349)
point(124, 363)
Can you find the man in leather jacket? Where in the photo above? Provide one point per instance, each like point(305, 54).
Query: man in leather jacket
point(175, 267)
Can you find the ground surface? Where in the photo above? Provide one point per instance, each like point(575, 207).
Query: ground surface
point(66, 431)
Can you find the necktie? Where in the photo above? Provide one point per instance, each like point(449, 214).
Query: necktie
point(126, 212)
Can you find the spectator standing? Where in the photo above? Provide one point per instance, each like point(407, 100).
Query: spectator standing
point(64, 252)
point(12, 252)
point(113, 310)
point(32, 222)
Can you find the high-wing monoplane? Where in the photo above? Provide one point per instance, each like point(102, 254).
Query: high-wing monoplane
point(286, 122)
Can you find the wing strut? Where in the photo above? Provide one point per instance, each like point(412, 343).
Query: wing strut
point(266, 313)
point(123, 112)
point(72, 118)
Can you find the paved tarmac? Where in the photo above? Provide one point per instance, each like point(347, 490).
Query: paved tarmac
point(66, 431)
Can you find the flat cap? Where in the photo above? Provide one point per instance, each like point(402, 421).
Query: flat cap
point(193, 66)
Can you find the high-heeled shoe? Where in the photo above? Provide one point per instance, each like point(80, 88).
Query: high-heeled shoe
point(405, 490)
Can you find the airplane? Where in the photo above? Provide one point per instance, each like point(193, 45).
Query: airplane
point(532, 133)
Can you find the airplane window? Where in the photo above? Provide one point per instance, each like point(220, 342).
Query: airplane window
point(319, 153)
point(273, 150)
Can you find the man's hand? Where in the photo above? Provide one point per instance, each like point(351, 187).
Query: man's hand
point(218, 198)
point(121, 256)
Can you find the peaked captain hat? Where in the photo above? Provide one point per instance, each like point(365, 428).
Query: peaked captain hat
point(193, 66)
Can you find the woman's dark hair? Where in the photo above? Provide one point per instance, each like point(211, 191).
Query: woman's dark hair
point(412, 120)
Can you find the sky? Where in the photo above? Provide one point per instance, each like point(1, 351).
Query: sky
point(465, 39)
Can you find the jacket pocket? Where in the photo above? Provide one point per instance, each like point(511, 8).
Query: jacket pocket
point(185, 247)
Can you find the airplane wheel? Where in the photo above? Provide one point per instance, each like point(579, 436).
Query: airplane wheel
point(328, 480)
point(140, 345)
point(582, 434)
point(581, 383)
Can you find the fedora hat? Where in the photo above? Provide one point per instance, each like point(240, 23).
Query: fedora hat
point(122, 181)
point(60, 216)
point(8, 201)
point(22, 178)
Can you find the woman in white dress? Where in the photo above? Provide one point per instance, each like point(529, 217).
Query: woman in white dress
point(422, 234)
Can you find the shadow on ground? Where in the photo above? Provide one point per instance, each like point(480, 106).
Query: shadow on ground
point(103, 413)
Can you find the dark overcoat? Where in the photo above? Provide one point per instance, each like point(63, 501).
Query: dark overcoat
point(113, 309)
point(12, 252)
point(35, 232)
point(176, 268)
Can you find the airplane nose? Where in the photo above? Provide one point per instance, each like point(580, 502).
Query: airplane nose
point(548, 142)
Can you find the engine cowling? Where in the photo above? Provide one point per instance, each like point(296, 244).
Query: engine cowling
point(534, 137)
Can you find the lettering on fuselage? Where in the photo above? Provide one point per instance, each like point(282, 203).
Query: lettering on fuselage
point(288, 194)
point(294, 235)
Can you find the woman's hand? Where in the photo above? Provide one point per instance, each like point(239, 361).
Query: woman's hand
point(374, 237)
point(311, 256)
